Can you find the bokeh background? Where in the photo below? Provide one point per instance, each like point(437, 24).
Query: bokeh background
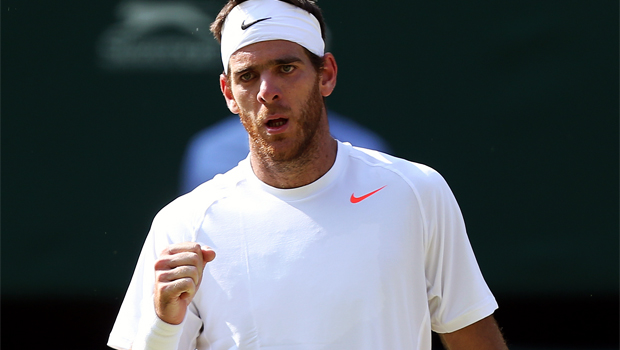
point(514, 102)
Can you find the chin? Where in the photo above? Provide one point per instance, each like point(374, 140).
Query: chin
point(282, 150)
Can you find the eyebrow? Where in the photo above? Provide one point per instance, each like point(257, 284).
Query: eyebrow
point(274, 62)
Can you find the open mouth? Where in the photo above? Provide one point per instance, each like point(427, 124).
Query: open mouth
point(276, 123)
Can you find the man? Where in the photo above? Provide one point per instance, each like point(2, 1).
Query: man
point(319, 245)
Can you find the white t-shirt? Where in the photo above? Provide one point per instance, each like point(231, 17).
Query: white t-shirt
point(373, 255)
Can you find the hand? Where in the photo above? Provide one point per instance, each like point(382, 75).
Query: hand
point(178, 273)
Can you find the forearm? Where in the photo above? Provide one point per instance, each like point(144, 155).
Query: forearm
point(482, 335)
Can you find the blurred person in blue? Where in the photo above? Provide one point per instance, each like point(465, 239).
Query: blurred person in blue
point(320, 245)
point(220, 147)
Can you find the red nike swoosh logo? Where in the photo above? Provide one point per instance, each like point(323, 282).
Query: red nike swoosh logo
point(359, 199)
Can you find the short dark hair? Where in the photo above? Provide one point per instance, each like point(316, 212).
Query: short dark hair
point(309, 6)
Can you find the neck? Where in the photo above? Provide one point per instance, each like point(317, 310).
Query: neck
point(313, 163)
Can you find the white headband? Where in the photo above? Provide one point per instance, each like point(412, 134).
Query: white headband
point(254, 21)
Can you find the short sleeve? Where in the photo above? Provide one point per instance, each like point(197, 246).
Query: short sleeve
point(457, 293)
point(138, 308)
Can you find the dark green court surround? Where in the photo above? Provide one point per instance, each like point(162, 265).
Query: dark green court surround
point(515, 103)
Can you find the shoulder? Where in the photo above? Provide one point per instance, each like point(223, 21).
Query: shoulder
point(206, 193)
point(411, 182)
point(415, 174)
point(186, 213)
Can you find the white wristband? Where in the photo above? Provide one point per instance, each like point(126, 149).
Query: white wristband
point(155, 334)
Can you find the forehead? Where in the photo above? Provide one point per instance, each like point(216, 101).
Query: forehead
point(265, 53)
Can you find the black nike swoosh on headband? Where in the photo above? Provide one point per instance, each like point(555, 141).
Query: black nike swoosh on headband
point(246, 26)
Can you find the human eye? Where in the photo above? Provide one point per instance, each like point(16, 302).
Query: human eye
point(287, 68)
point(247, 76)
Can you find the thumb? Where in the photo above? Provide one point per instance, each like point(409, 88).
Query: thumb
point(208, 254)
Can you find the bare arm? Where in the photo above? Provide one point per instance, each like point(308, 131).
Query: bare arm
point(482, 335)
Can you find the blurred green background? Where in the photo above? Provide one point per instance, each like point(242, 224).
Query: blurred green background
point(515, 103)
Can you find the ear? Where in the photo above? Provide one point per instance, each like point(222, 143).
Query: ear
point(228, 95)
point(328, 75)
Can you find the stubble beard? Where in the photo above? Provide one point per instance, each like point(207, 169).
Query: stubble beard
point(305, 143)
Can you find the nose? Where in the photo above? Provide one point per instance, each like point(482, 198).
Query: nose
point(269, 90)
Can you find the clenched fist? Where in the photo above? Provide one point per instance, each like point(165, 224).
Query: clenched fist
point(178, 273)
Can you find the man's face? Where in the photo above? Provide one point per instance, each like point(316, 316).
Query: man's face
point(275, 91)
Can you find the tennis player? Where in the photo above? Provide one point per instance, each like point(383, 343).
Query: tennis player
point(320, 245)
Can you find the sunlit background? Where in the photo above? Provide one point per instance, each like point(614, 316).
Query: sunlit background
point(515, 103)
